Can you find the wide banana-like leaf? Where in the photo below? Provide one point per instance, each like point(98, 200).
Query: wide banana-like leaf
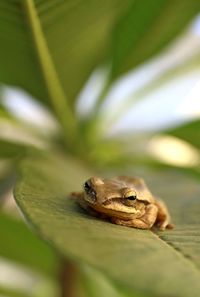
point(56, 45)
point(155, 263)
point(67, 38)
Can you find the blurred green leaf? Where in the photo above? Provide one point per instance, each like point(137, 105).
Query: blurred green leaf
point(8, 292)
point(7, 180)
point(97, 285)
point(22, 246)
point(146, 28)
point(189, 131)
point(10, 149)
point(77, 36)
point(129, 256)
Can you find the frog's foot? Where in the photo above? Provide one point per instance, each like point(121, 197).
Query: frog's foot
point(164, 225)
point(144, 222)
point(163, 217)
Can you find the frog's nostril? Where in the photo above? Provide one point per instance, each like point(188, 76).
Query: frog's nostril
point(94, 199)
point(92, 194)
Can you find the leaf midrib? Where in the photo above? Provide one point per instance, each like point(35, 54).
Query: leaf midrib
point(57, 96)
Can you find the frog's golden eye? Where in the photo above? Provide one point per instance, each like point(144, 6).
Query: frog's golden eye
point(132, 197)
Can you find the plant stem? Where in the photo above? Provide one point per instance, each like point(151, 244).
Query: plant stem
point(68, 279)
point(56, 93)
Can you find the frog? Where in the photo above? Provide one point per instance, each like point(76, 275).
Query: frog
point(123, 200)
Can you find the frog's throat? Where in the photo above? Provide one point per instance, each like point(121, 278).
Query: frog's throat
point(116, 206)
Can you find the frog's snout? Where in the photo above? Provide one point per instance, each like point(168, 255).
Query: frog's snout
point(90, 196)
point(93, 197)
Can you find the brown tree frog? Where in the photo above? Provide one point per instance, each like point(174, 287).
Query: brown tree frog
point(124, 201)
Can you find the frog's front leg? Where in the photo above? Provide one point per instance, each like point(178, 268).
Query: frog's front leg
point(163, 217)
point(79, 197)
point(144, 222)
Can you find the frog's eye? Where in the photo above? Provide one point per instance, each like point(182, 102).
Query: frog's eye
point(130, 194)
point(89, 191)
point(132, 197)
point(87, 186)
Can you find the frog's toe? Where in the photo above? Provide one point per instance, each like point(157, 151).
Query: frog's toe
point(165, 225)
point(170, 226)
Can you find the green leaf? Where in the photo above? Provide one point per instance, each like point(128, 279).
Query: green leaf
point(97, 284)
point(7, 178)
point(146, 28)
point(10, 149)
point(161, 264)
point(72, 36)
point(58, 45)
point(8, 292)
point(20, 245)
point(188, 131)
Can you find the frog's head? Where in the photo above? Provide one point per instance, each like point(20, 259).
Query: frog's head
point(111, 196)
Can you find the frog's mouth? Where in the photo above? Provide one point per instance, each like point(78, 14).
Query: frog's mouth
point(120, 205)
point(113, 205)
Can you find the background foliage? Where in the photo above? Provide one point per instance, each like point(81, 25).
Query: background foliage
point(51, 50)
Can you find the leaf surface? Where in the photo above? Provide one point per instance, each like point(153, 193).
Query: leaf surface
point(162, 264)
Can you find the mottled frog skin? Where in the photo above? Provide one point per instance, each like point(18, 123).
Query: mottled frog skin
point(124, 201)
